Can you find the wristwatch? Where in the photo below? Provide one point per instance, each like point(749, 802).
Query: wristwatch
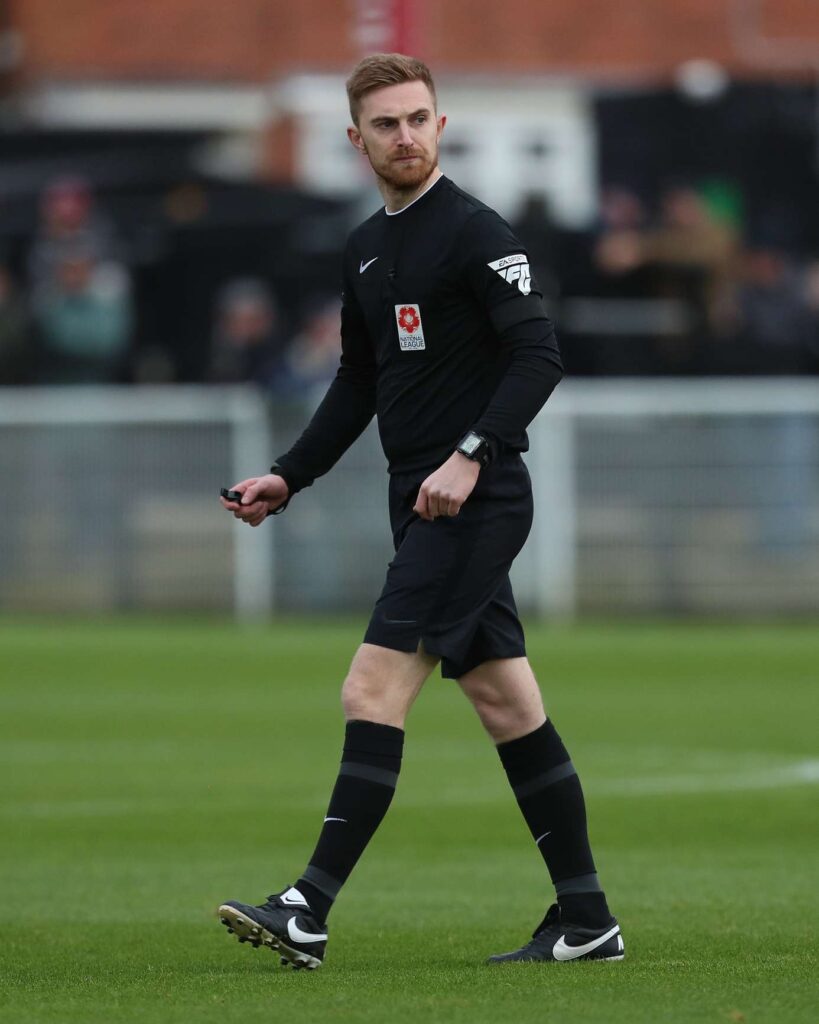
point(475, 447)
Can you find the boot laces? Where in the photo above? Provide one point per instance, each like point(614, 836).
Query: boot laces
point(552, 917)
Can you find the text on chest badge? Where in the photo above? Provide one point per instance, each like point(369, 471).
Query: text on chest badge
point(410, 328)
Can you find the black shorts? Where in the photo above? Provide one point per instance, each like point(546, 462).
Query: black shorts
point(448, 585)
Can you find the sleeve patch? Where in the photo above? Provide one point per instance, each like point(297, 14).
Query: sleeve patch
point(514, 270)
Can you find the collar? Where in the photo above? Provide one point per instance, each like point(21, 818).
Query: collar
point(429, 188)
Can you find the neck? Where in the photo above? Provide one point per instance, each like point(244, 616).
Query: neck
point(396, 199)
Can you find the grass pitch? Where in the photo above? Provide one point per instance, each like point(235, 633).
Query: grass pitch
point(150, 771)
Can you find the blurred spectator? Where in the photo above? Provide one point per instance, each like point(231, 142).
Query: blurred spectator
point(617, 253)
point(768, 321)
point(68, 221)
point(15, 342)
point(697, 251)
point(681, 268)
point(611, 336)
point(312, 357)
point(533, 226)
point(84, 321)
point(622, 210)
point(247, 340)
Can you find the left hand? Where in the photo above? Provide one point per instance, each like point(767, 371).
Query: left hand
point(444, 491)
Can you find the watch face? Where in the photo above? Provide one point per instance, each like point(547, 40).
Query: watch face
point(471, 443)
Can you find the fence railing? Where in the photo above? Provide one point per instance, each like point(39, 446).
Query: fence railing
point(694, 496)
point(109, 500)
point(653, 496)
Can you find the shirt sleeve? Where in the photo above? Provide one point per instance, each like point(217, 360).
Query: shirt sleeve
point(496, 269)
point(497, 272)
point(345, 410)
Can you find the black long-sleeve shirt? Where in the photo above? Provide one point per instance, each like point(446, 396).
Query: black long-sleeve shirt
point(442, 331)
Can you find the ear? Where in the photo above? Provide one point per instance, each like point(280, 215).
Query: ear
point(441, 125)
point(354, 135)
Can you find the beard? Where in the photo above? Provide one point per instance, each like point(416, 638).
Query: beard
point(407, 177)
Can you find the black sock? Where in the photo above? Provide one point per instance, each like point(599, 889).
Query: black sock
point(548, 791)
point(364, 789)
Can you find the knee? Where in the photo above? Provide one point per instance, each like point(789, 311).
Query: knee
point(497, 712)
point(361, 697)
point(506, 722)
point(372, 690)
point(506, 713)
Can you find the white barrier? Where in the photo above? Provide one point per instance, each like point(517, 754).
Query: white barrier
point(675, 496)
point(110, 500)
point(653, 496)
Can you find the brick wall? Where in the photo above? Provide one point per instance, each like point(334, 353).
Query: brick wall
point(257, 39)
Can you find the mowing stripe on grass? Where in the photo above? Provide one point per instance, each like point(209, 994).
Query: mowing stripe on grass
point(801, 773)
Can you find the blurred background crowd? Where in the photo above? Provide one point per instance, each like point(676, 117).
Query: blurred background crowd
point(174, 194)
point(87, 297)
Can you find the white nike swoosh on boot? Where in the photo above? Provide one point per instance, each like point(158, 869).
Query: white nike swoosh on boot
point(563, 952)
point(296, 900)
point(362, 266)
point(297, 935)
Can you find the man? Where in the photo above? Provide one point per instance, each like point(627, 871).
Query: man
point(445, 339)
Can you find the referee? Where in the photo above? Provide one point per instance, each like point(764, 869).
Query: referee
point(444, 339)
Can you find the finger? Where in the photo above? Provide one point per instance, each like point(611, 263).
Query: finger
point(433, 506)
point(452, 508)
point(259, 514)
point(246, 512)
point(242, 485)
point(421, 504)
point(250, 494)
point(251, 511)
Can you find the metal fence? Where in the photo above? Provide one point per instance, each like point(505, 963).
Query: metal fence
point(669, 497)
point(109, 500)
point(692, 497)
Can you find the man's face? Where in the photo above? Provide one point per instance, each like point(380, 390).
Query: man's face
point(399, 132)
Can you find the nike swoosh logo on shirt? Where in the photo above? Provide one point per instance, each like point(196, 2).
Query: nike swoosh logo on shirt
point(363, 266)
point(563, 952)
point(297, 935)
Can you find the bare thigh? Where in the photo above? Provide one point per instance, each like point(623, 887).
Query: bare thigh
point(506, 696)
point(382, 684)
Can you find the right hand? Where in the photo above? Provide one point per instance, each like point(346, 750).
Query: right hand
point(261, 495)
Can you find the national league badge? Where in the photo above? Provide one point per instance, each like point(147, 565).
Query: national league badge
point(410, 328)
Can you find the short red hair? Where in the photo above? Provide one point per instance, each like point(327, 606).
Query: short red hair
point(382, 69)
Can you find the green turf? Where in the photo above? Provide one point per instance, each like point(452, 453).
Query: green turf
point(149, 771)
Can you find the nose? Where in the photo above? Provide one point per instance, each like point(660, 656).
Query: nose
point(405, 138)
